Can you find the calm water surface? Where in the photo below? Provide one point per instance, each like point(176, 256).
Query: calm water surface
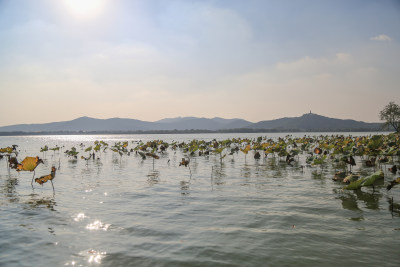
point(123, 212)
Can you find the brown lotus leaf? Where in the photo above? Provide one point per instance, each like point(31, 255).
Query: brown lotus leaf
point(318, 150)
point(44, 179)
point(152, 155)
point(184, 162)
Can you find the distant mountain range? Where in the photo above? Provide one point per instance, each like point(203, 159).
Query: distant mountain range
point(307, 122)
point(315, 122)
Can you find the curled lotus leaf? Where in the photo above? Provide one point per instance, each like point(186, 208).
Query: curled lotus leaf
point(97, 147)
point(184, 162)
point(393, 183)
point(246, 149)
point(153, 155)
point(44, 179)
point(142, 154)
point(219, 150)
point(367, 181)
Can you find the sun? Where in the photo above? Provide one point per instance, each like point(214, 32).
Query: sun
point(85, 8)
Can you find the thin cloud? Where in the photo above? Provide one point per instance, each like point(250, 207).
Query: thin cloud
point(382, 37)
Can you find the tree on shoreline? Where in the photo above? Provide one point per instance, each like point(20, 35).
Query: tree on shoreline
point(391, 115)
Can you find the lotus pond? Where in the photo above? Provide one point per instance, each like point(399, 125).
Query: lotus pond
point(200, 200)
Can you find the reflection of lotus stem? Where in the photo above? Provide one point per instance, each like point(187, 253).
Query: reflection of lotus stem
point(212, 182)
point(33, 178)
point(392, 205)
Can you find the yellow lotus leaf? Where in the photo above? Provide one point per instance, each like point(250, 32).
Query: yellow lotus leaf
point(8, 150)
point(246, 149)
point(29, 164)
point(265, 145)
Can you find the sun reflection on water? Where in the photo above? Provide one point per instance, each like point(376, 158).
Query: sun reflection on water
point(96, 257)
point(97, 225)
point(79, 217)
point(92, 256)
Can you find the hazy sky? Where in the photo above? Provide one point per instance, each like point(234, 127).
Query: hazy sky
point(148, 60)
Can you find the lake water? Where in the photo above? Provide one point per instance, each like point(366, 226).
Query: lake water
point(125, 212)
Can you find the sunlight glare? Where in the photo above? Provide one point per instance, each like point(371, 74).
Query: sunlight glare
point(79, 217)
point(96, 225)
point(85, 8)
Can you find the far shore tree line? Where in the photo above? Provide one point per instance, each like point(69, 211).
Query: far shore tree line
point(391, 115)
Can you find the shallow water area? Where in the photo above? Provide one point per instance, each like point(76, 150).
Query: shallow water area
point(125, 211)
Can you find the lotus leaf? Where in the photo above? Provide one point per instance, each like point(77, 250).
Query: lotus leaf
point(369, 180)
point(29, 164)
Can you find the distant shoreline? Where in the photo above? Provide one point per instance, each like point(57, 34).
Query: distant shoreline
point(240, 130)
point(309, 122)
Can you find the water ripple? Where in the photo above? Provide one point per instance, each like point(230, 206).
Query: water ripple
point(125, 212)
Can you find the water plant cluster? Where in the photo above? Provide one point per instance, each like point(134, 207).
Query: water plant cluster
point(379, 153)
